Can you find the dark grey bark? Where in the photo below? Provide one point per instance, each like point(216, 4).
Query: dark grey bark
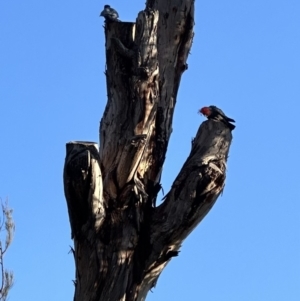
point(122, 241)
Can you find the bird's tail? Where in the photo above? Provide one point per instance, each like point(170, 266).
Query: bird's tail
point(230, 119)
point(231, 126)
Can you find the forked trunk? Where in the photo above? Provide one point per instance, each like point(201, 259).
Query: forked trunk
point(122, 241)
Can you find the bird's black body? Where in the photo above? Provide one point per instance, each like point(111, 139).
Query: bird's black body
point(110, 14)
point(218, 114)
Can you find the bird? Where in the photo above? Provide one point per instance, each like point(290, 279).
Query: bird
point(109, 14)
point(214, 113)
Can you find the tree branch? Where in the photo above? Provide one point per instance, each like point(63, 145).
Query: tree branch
point(193, 193)
point(7, 277)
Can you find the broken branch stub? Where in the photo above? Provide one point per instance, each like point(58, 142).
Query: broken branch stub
point(126, 146)
point(197, 186)
point(83, 187)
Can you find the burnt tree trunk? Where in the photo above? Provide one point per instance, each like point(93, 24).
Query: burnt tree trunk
point(122, 241)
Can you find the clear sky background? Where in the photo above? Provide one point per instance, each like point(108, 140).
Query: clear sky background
point(245, 59)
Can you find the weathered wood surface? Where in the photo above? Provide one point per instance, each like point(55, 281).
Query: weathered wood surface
point(122, 241)
point(83, 186)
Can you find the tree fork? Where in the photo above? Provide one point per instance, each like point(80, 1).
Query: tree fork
point(122, 241)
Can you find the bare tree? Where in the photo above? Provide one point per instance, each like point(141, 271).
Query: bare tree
point(122, 241)
point(6, 225)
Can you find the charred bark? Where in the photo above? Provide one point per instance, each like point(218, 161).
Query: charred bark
point(122, 241)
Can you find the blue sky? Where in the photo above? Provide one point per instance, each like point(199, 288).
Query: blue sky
point(245, 59)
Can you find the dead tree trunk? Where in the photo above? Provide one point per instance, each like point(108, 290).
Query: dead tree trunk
point(122, 241)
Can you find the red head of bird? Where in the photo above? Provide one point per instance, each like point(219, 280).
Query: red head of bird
point(206, 111)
